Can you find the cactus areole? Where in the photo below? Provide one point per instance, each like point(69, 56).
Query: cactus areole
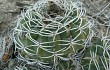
point(50, 31)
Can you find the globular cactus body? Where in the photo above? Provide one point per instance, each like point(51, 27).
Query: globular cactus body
point(50, 31)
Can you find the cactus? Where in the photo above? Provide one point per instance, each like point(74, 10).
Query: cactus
point(97, 56)
point(52, 34)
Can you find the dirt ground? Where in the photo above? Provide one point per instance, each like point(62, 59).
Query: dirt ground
point(9, 10)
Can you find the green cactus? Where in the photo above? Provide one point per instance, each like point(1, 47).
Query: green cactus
point(50, 32)
point(97, 56)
